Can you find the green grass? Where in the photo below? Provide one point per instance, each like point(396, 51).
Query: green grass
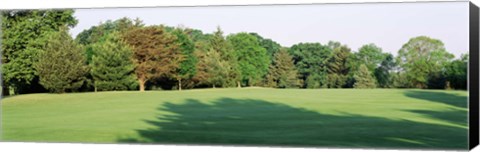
point(389, 118)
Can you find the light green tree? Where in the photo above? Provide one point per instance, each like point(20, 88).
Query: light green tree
point(251, 58)
point(363, 78)
point(420, 57)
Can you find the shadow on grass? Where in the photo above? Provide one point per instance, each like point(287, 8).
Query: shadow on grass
point(456, 115)
point(439, 97)
point(230, 121)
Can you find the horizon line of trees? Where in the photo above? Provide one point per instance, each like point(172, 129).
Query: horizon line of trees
point(38, 55)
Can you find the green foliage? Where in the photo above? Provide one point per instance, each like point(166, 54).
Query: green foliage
point(363, 78)
point(216, 61)
point(282, 72)
point(384, 72)
point(95, 33)
point(61, 65)
point(311, 61)
point(338, 67)
point(252, 58)
point(271, 46)
point(187, 68)
point(370, 55)
point(456, 73)
point(112, 66)
point(400, 80)
point(421, 57)
point(24, 35)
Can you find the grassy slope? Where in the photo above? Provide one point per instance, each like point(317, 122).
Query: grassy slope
point(259, 116)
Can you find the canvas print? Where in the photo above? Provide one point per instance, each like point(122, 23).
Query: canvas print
point(372, 75)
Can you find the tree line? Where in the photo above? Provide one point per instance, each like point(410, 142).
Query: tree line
point(39, 55)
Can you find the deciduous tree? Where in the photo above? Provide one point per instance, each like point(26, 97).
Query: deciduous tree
point(251, 58)
point(155, 53)
point(311, 61)
point(420, 57)
point(23, 36)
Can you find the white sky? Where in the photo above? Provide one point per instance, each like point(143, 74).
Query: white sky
point(388, 25)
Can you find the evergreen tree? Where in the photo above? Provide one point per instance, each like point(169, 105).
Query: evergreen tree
point(187, 69)
point(61, 65)
point(338, 67)
point(363, 78)
point(282, 72)
point(112, 66)
point(228, 55)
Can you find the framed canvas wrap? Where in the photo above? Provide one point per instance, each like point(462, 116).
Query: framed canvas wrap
point(356, 75)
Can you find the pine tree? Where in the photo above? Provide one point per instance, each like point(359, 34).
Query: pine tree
point(227, 54)
point(112, 65)
point(282, 72)
point(187, 68)
point(338, 68)
point(62, 64)
point(363, 78)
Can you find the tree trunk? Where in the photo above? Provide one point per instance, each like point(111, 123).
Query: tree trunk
point(238, 84)
point(5, 91)
point(179, 84)
point(213, 86)
point(141, 83)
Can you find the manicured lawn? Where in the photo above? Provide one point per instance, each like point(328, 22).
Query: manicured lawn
point(389, 118)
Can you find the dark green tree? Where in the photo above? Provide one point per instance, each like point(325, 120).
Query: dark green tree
point(252, 58)
point(61, 65)
point(363, 78)
point(383, 73)
point(311, 61)
point(112, 66)
point(23, 36)
point(456, 73)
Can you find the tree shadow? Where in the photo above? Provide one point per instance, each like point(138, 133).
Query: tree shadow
point(228, 121)
point(439, 97)
point(458, 115)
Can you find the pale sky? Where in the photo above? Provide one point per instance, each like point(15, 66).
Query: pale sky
point(388, 25)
